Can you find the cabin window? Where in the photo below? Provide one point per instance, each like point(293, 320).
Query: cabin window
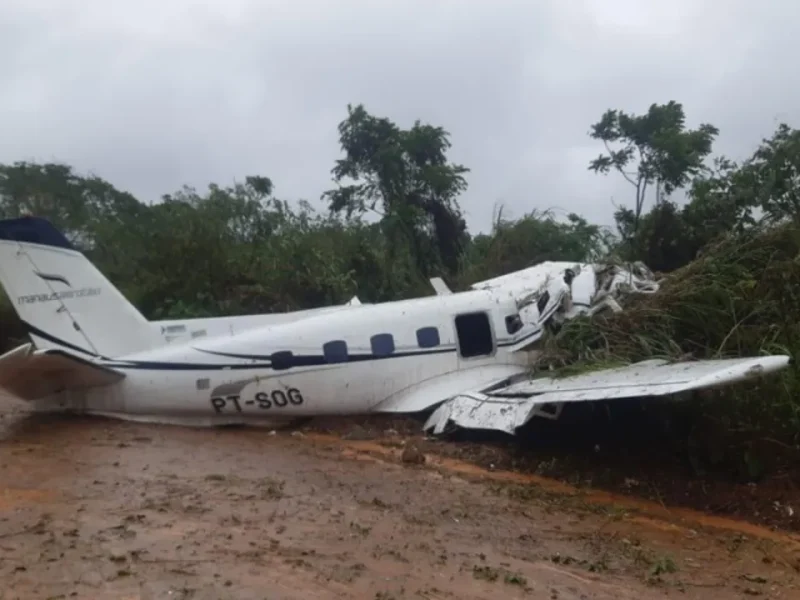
point(382, 344)
point(335, 351)
point(513, 324)
point(281, 360)
point(427, 337)
point(475, 336)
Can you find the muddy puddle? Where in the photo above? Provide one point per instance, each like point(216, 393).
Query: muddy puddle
point(92, 508)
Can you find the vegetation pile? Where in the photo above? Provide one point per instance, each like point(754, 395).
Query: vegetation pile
point(740, 298)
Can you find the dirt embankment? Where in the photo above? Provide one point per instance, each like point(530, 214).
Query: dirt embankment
point(628, 458)
point(91, 508)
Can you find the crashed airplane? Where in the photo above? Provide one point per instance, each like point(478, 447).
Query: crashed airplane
point(464, 358)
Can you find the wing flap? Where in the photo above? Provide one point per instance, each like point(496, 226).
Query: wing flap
point(31, 375)
point(425, 394)
point(511, 407)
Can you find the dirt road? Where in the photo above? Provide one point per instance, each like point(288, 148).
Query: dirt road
point(91, 508)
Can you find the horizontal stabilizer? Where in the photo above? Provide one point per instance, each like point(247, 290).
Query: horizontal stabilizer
point(31, 375)
point(508, 408)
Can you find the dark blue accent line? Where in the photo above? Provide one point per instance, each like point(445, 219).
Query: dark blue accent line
point(296, 361)
point(51, 338)
point(79, 359)
point(152, 365)
point(112, 364)
point(314, 360)
point(169, 366)
point(35, 230)
point(58, 278)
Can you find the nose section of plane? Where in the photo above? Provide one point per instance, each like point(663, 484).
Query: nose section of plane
point(561, 291)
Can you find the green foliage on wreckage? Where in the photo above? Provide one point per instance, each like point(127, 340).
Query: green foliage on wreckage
point(741, 297)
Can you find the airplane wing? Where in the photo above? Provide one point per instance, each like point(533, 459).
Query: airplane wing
point(507, 408)
point(31, 375)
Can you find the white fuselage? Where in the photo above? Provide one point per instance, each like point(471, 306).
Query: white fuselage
point(352, 360)
point(181, 331)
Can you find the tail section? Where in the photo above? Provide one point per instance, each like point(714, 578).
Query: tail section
point(31, 376)
point(65, 302)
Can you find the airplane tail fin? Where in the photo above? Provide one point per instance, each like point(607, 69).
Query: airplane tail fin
point(63, 299)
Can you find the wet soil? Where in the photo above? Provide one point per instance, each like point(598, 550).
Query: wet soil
point(632, 456)
point(94, 508)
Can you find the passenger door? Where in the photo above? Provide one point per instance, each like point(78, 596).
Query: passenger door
point(475, 336)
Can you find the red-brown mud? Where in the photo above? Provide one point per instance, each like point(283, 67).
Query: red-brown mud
point(92, 508)
point(629, 457)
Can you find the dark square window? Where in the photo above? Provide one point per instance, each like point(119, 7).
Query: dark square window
point(382, 344)
point(335, 351)
point(513, 324)
point(281, 360)
point(428, 337)
point(474, 335)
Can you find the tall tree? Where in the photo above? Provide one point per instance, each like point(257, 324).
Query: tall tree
point(768, 180)
point(654, 149)
point(404, 176)
point(763, 188)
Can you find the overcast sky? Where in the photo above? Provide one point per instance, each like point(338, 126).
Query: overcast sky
point(152, 95)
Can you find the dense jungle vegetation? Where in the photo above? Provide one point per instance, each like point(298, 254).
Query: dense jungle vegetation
point(729, 251)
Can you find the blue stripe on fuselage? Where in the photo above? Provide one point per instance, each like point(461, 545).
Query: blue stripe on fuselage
point(287, 360)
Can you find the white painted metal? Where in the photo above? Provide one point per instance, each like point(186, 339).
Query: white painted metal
point(95, 353)
point(440, 287)
point(185, 330)
point(511, 407)
point(647, 378)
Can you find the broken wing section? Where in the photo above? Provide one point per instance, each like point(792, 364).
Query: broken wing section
point(511, 407)
point(32, 375)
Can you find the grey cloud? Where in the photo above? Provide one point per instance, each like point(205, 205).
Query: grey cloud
point(155, 95)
